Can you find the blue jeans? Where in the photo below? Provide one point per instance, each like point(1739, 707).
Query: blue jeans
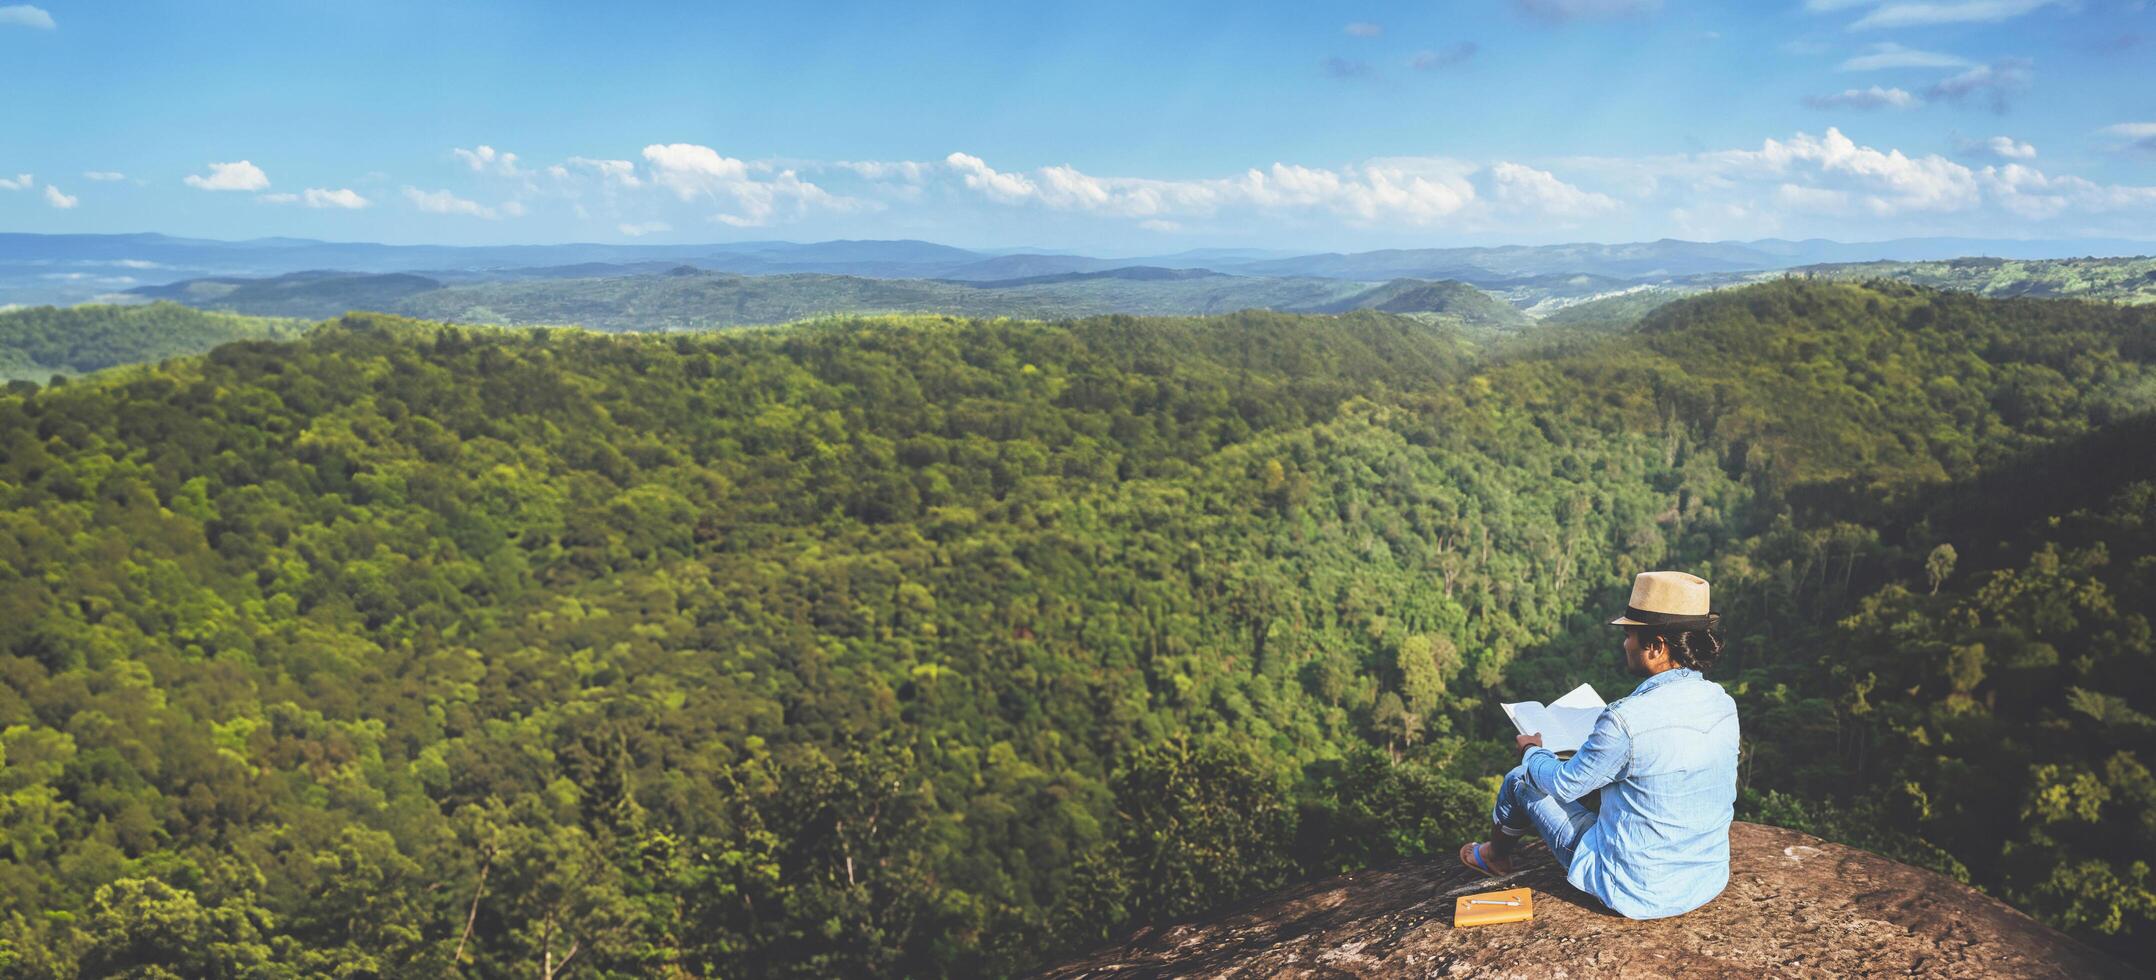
point(1523, 809)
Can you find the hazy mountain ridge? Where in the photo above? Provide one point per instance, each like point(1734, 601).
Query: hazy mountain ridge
point(77, 268)
point(688, 298)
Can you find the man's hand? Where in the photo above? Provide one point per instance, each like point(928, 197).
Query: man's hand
point(1526, 740)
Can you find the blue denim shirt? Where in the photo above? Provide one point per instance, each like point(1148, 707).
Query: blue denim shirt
point(1665, 758)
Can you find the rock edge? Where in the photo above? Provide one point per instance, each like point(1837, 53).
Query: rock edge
point(1796, 906)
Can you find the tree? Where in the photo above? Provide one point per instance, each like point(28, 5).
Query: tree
point(1938, 565)
point(142, 927)
point(1203, 822)
point(1399, 725)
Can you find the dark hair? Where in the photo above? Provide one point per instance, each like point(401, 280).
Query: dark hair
point(1694, 648)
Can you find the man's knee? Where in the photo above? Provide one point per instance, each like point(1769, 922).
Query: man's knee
point(1511, 784)
point(1517, 786)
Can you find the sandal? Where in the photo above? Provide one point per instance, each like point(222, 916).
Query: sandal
point(1471, 855)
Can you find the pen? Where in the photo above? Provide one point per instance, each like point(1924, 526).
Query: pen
point(1485, 901)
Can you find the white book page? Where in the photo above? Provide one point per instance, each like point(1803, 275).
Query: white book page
point(1528, 716)
point(1565, 723)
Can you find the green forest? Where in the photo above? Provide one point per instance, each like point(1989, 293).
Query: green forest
point(39, 342)
point(934, 646)
point(2122, 280)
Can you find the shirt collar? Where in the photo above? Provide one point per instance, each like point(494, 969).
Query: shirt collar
point(1665, 677)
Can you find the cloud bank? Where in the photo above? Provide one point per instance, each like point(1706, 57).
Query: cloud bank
point(1825, 183)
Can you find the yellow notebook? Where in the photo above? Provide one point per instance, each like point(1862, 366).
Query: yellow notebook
point(1476, 910)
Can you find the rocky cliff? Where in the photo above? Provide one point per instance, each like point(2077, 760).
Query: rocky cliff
point(1796, 906)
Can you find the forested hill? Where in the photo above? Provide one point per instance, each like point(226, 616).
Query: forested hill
point(2130, 280)
point(939, 646)
point(39, 342)
point(2123, 280)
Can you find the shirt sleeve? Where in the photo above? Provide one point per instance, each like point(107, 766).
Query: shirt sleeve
point(1598, 763)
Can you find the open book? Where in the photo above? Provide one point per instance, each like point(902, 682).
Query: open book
point(1564, 724)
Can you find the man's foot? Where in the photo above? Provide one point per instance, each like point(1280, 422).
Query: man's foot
point(1481, 857)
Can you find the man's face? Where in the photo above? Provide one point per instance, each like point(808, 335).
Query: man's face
point(1635, 655)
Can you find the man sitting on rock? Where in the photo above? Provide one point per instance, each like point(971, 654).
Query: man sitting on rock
point(1664, 760)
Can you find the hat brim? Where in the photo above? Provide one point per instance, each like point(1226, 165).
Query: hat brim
point(1689, 622)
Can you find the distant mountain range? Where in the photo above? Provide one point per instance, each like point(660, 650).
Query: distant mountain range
point(689, 298)
point(63, 269)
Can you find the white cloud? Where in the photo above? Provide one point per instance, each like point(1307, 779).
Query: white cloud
point(342, 197)
point(486, 159)
point(2140, 135)
point(1364, 28)
point(2029, 192)
point(1874, 97)
point(618, 172)
point(693, 172)
point(1523, 188)
point(57, 199)
point(24, 15)
point(317, 197)
point(690, 170)
point(1008, 188)
point(443, 202)
point(2034, 195)
point(1891, 182)
point(1395, 191)
point(1831, 185)
point(1887, 54)
point(2000, 147)
point(1880, 183)
point(103, 176)
point(1824, 183)
point(1418, 192)
point(909, 171)
point(239, 175)
point(1922, 14)
point(21, 182)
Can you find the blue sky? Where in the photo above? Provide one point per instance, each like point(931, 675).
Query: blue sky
point(1109, 127)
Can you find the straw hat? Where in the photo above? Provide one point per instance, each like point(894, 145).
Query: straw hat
point(1674, 599)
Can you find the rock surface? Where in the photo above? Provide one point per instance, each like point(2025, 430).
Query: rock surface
point(1796, 906)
